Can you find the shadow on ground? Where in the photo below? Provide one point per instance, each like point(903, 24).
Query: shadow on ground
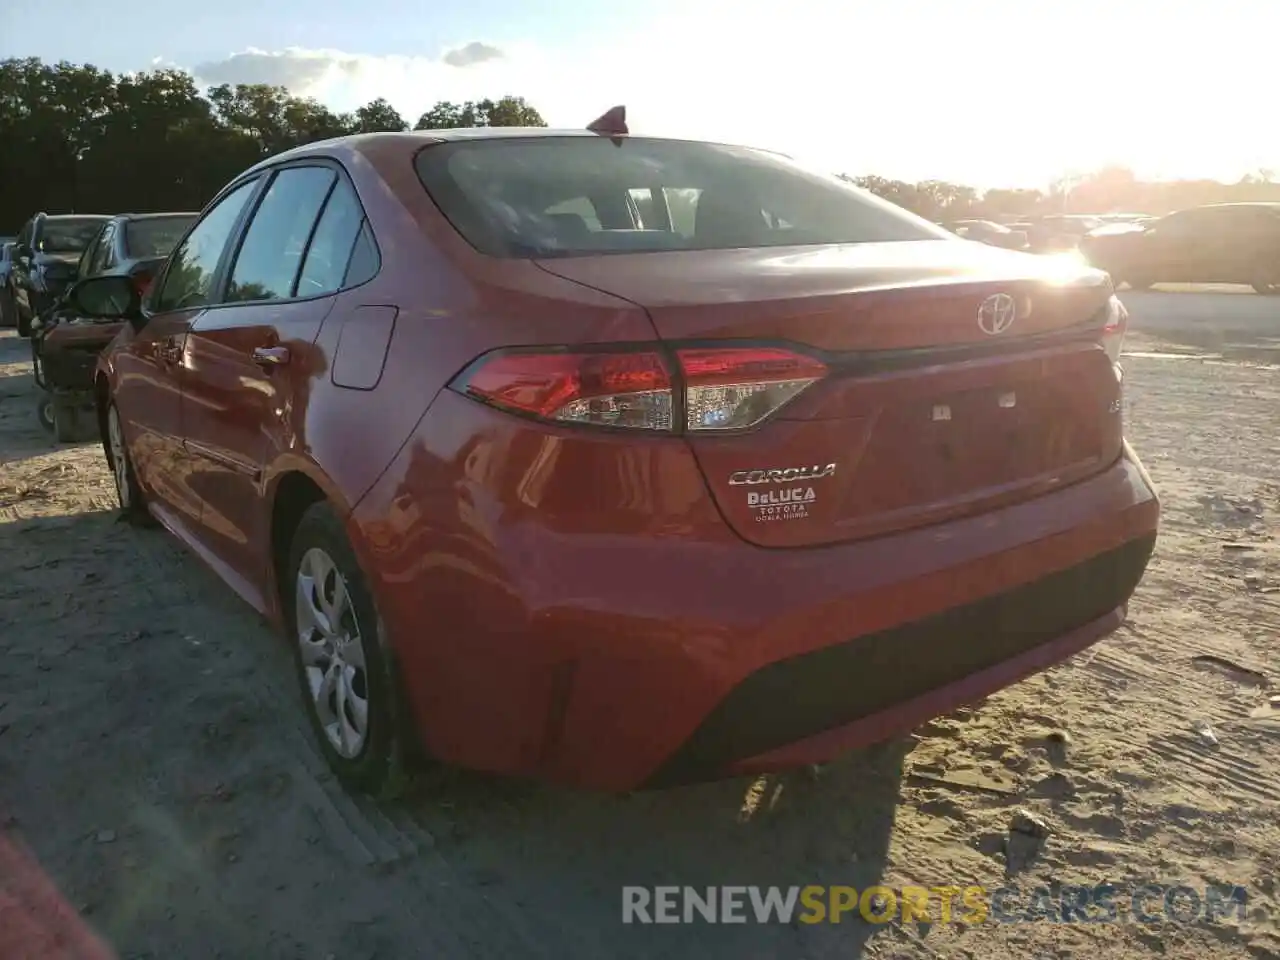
point(152, 760)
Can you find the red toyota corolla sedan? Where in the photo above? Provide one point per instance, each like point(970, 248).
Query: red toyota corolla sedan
point(622, 461)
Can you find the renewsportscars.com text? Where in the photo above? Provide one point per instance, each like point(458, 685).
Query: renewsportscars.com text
point(1103, 903)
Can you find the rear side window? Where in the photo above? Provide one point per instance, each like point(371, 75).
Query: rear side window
point(364, 261)
point(331, 245)
point(270, 258)
point(154, 236)
point(561, 196)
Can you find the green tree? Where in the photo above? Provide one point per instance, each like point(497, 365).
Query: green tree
point(505, 112)
point(378, 116)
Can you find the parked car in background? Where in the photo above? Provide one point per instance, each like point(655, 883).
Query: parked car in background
point(48, 249)
point(613, 504)
point(65, 347)
point(1055, 233)
point(8, 310)
point(985, 231)
point(1218, 243)
point(1107, 219)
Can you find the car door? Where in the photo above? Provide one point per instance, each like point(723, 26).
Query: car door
point(149, 364)
point(1177, 248)
point(255, 359)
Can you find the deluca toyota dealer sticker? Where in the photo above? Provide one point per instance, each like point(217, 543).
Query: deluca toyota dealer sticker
point(790, 504)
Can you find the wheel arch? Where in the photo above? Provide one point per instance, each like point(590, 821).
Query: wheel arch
point(292, 486)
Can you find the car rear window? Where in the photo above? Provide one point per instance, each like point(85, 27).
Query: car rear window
point(566, 196)
point(155, 236)
point(68, 236)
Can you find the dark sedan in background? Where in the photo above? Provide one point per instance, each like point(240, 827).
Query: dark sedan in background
point(65, 347)
point(46, 253)
point(1219, 243)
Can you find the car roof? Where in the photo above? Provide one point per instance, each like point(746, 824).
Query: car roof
point(364, 144)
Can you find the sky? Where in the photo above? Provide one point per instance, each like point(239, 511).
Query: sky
point(985, 92)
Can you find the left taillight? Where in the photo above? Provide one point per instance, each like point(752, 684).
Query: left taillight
point(717, 388)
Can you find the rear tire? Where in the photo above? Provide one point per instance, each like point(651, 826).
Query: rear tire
point(344, 668)
point(133, 505)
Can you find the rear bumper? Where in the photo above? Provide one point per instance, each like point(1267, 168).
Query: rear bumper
point(810, 708)
point(616, 662)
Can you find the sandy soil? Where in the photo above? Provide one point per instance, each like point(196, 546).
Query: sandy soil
point(153, 756)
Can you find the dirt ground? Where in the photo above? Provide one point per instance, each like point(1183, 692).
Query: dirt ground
point(153, 756)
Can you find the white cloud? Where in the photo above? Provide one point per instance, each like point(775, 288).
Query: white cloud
point(995, 92)
point(473, 53)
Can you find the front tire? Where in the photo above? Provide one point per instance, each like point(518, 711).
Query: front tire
point(44, 411)
point(344, 669)
point(133, 506)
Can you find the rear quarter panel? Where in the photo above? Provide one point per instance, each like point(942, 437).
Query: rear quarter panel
point(451, 305)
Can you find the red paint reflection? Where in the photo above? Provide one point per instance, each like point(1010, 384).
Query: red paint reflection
point(36, 923)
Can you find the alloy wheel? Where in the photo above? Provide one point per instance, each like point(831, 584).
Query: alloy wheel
point(332, 651)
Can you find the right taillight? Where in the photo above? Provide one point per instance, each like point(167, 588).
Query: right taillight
point(1116, 320)
point(719, 388)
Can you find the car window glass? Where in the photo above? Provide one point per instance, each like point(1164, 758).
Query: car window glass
point(273, 247)
point(578, 208)
point(107, 250)
point(331, 245)
point(510, 197)
point(188, 282)
point(364, 259)
point(68, 235)
point(102, 251)
point(85, 266)
point(154, 236)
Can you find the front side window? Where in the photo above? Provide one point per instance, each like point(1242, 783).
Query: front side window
point(188, 282)
point(565, 196)
point(275, 243)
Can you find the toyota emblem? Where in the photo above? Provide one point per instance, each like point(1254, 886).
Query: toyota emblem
point(997, 313)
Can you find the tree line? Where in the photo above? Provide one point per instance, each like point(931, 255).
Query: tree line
point(76, 138)
point(1109, 190)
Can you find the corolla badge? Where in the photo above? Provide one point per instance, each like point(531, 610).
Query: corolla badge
point(997, 313)
point(789, 475)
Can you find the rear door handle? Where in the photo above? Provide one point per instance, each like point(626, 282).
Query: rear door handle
point(270, 356)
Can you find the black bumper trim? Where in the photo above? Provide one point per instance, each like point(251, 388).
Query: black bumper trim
point(802, 696)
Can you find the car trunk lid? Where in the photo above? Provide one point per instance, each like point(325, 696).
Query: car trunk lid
point(960, 377)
